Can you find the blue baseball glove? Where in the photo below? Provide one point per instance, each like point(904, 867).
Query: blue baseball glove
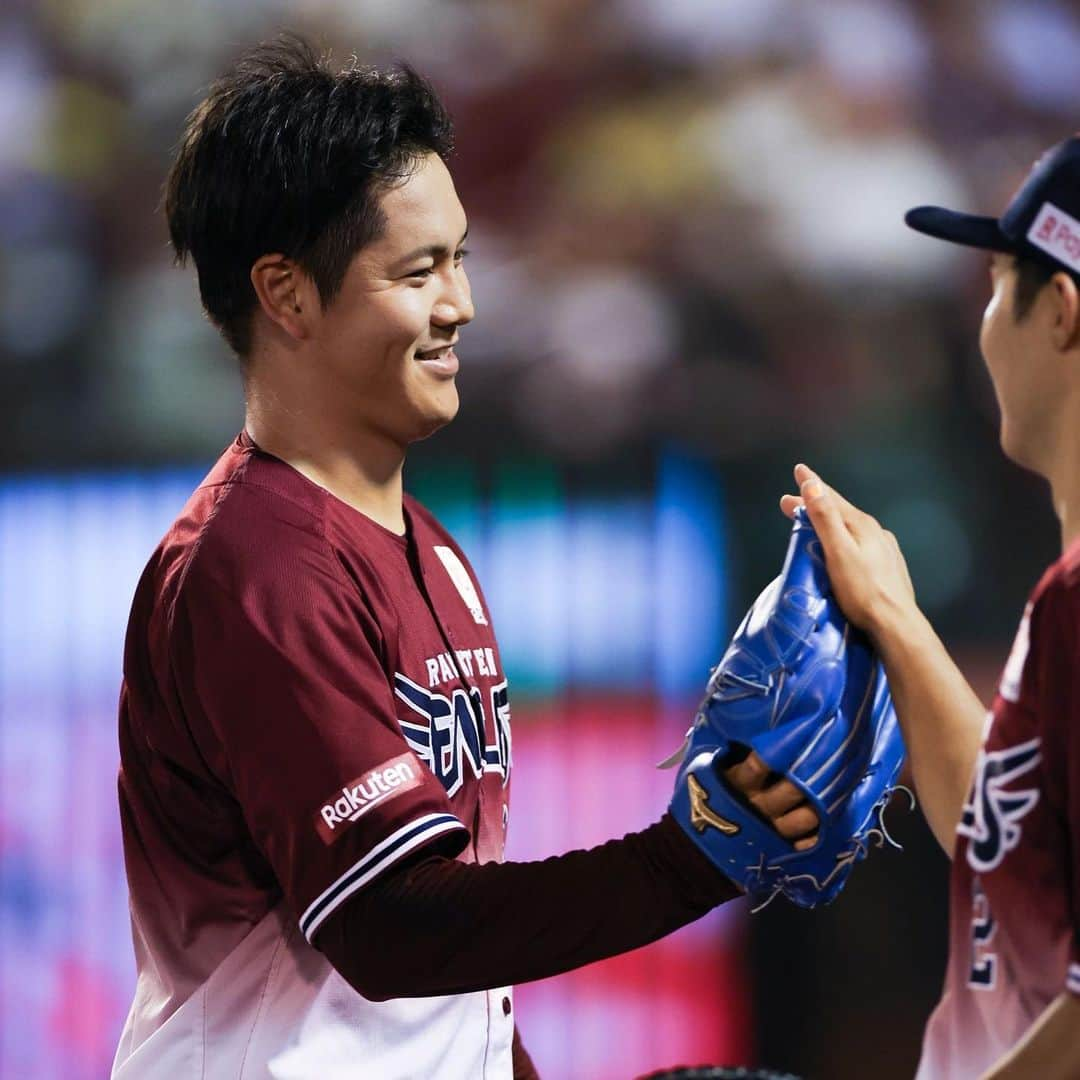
point(804, 689)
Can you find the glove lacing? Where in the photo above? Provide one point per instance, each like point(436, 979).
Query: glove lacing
point(878, 835)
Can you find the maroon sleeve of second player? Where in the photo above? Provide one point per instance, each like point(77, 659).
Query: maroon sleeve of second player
point(449, 928)
point(1056, 644)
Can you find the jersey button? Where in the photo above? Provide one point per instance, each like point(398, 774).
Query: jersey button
point(506, 1006)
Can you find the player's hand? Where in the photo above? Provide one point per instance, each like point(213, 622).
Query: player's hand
point(780, 801)
point(866, 567)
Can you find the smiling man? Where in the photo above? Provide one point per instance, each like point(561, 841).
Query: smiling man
point(314, 720)
point(1001, 792)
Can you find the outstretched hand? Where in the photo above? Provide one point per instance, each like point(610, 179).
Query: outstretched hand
point(866, 568)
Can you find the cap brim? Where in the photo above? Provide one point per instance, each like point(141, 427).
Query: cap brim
point(967, 229)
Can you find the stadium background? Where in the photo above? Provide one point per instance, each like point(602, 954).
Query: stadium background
point(690, 272)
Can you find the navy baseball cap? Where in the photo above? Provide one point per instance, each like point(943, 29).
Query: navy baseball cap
point(1041, 222)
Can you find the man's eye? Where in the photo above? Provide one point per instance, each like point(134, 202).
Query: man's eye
point(460, 254)
point(427, 271)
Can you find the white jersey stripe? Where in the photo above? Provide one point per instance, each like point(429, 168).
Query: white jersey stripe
point(409, 837)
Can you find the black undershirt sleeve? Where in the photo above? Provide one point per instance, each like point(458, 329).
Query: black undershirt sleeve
point(524, 1069)
point(440, 926)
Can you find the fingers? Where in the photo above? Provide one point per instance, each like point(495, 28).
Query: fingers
point(797, 825)
point(786, 807)
point(789, 504)
point(777, 799)
point(826, 517)
point(750, 775)
point(805, 475)
point(780, 801)
point(852, 515)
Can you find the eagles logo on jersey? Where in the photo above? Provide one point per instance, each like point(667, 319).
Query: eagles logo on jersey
point(992, 816)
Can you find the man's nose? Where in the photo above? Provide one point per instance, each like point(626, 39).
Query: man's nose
point(455, 306)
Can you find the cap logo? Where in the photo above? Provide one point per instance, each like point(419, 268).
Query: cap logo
point(1056, 233)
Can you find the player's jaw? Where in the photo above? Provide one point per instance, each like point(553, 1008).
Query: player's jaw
point(430, 387)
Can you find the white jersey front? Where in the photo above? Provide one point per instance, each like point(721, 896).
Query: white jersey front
point(241, 1024)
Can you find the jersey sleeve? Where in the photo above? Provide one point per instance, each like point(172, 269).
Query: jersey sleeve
point(276, 662)
point(1055, 644)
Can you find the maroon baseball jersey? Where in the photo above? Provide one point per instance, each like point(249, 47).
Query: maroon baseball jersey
point(307, 699)
point(1015, 909)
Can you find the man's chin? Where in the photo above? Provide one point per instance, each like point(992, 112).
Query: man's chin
point(1008, 447)
point(435, 420)
point(1019, 451)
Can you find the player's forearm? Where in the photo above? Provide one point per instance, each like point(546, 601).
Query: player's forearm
point(444, 927)
point(940, 715)
point(1051, 1048)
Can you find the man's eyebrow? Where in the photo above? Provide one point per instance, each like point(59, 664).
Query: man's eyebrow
point(432, 251)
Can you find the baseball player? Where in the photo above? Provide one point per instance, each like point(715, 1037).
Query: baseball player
point(314, 720)
point(1000, 792)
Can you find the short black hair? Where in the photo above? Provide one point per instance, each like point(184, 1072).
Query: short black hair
point(285, 154)
point(1031, 276)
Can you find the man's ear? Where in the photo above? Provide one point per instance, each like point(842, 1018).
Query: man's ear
point(1066, 299)
point(287, 296)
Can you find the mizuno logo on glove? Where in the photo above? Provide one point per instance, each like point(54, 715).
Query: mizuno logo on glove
point(701, 816)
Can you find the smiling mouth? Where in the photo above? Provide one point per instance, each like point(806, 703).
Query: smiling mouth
point(441, 361)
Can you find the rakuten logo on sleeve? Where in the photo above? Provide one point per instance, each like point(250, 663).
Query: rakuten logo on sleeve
point(356, 798)
point(1057, 233)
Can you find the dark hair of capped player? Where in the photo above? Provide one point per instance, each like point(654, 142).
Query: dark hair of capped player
point(1031, 276)
point(286, 155)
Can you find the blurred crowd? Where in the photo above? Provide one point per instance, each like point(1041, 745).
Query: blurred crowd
point(686, 226)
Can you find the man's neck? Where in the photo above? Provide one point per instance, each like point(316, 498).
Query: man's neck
point(362, 469)
point(1065, 491)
